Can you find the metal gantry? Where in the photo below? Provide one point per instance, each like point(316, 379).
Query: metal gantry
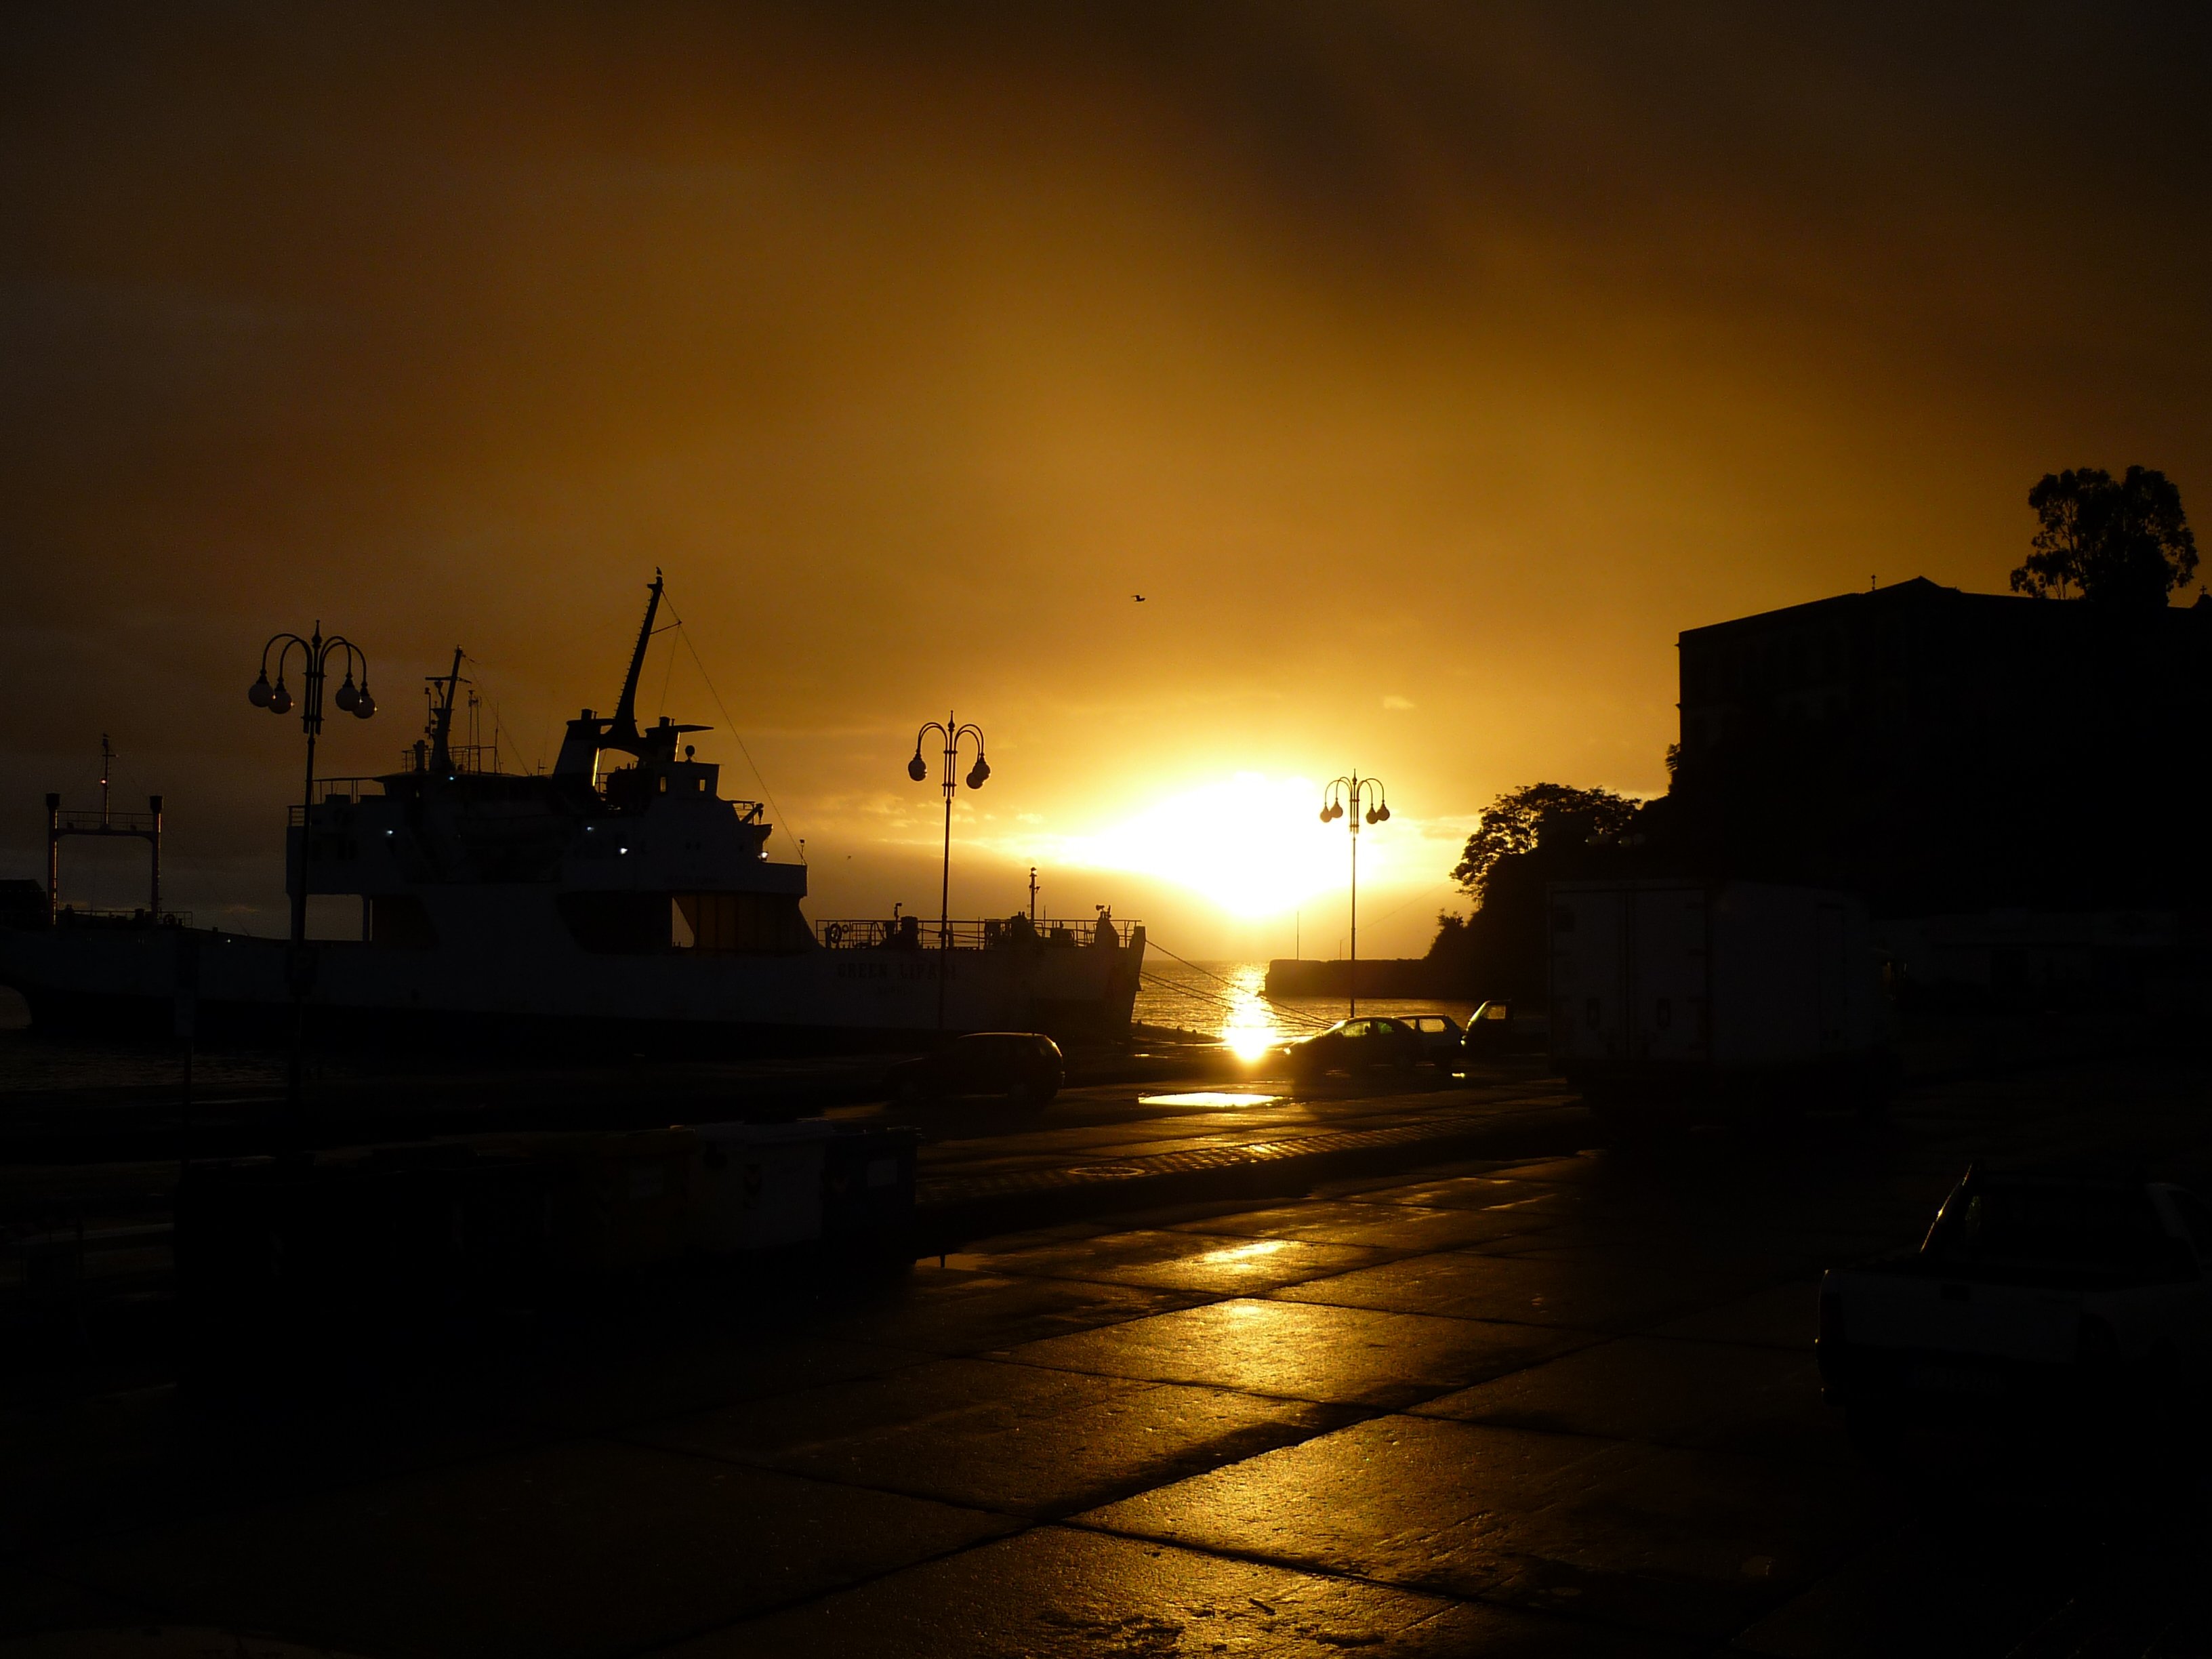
point(917, 768)
point(1354, 797)
point(137, 826)
point(316, 653)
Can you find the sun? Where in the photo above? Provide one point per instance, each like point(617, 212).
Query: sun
point(1253, 845)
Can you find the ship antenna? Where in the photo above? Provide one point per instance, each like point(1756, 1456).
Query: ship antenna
point(441, 720)
point(622, 734)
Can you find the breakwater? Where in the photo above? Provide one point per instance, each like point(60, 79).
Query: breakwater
point(1384, 977)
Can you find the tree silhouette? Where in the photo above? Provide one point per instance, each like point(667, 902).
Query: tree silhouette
point(1540, 833)
point(2120, 542)
point(1521, 820)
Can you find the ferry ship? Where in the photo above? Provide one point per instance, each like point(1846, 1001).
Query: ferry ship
point(628, 902)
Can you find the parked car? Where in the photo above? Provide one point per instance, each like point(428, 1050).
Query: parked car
point(1365, 1044)
point(2033, 1286)
point(1024, 1067)
point(1501, 1027)
point(1441, 1039)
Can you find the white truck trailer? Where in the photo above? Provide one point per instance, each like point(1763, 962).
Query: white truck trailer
point(1738, 994)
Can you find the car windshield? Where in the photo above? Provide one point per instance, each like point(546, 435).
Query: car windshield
point(2196, 1216)
point(2049, 1224)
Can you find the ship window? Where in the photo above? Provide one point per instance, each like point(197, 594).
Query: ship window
point(617, 924)
point(727, 922)
point(399, 920)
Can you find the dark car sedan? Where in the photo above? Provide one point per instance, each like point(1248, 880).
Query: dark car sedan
point(1024, 1067)
point(1355, 1046)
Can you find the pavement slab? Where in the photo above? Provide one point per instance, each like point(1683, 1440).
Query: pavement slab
point(1171, 1259)
point(616, 1387)
point(1671, 1542)
point(1764, 1402)
point(948, 1310)
point(1058, 1593)
point(1015, 1439)
point(1397, 1227)
point(581, 1549)
point(1351, 1356)
point(1618, 1290)
point(78, 1468)
point(1561, 1405)
point(1465, 1191)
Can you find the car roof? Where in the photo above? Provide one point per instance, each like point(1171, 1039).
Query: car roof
point(2046, 1175)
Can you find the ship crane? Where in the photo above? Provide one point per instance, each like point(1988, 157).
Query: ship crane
point(589, 732)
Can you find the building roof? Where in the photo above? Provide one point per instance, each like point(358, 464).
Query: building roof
point(1920, 595)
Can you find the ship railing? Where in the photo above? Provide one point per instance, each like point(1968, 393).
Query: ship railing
point(91, 823)
point(992, 933)
point(344, 789)
point(67, 915)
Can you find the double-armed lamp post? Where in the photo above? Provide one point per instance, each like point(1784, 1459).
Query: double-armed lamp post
point(918, 769)
point(1348, 797)
point(316, 654)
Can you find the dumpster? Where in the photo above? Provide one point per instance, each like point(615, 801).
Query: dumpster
point(615, 1201)
point(756, 1186)
point(867, 1188)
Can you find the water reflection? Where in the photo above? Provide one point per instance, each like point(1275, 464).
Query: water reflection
point(1207, 1098)
point(1229, 1000)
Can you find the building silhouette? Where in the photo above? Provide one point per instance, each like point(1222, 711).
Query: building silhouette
point(1943, 752)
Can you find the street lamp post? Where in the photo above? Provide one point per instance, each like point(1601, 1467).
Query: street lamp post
point(315, 653)
point(1355, 793)
point(917, 768)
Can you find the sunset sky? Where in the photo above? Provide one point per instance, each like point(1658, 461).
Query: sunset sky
point(1428, 367)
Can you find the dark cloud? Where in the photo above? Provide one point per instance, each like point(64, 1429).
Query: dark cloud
point(1460, 353)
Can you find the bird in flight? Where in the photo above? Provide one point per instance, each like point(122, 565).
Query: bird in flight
point(1138, 598)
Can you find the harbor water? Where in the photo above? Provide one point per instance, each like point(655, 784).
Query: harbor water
point(1229, 1000)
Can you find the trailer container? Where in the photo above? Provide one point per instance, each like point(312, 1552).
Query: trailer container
point(1742, 992)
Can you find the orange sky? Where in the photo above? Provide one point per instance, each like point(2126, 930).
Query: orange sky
point(1428, 367)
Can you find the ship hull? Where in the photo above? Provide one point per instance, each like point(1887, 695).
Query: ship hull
point(226, 987)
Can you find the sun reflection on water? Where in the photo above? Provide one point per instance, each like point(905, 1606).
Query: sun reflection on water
point(1249, 1030)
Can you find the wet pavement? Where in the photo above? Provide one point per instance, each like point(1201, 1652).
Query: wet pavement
point(1560, 1403)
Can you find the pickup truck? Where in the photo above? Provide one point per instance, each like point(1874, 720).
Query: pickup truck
point(1499, 1028)
point(2032, 1285)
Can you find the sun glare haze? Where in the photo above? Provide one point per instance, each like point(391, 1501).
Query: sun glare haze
point(1254, 846)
